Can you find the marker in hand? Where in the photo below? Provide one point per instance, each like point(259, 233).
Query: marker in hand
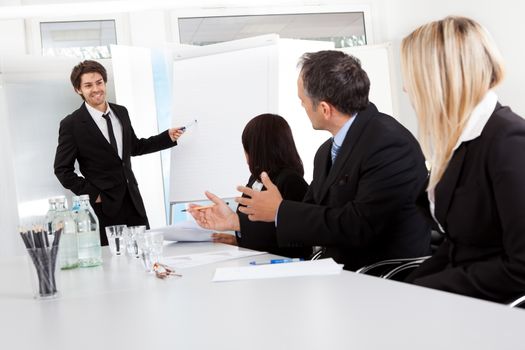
point(275, 261)
point(193, 122)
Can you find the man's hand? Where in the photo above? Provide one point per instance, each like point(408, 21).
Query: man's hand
point(217, 217)
point(175, 133)
point(261, 206)
point(225, 238)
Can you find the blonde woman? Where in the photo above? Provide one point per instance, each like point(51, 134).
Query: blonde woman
point(476, 147)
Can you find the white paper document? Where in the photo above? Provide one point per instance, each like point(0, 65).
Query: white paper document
point(191, 260)
point(184, 231)
point(303, 268)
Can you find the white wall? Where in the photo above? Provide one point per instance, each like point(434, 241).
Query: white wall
point(10, 243)
point(503, 19)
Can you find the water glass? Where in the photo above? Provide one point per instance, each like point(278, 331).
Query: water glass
point(132, 247)
point(150, 246)
point(116, 235)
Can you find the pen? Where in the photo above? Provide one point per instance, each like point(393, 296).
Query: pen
point(188, 125)
point(276, 261)
point(203, 207)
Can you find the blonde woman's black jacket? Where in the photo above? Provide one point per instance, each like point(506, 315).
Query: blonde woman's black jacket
point(480, 203)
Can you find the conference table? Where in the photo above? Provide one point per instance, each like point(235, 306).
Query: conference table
point(120, 306)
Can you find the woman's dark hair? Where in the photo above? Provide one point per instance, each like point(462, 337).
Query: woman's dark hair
point(267, 140)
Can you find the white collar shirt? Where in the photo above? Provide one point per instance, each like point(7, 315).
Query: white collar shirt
point(103, 126)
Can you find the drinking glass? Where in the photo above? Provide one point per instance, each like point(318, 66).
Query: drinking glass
point(150, 247)
point(132, 247)
point(116, 239)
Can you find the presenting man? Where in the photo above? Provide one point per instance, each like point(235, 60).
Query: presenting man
point(360, 206)
point(100, 137)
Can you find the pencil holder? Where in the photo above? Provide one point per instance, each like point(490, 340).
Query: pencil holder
point(43, 272)
point(42, 252)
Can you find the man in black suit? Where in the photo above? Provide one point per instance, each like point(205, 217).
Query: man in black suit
point(100, 137)
point(360, 206)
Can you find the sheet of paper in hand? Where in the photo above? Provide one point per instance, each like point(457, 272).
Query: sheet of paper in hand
point(184, 231)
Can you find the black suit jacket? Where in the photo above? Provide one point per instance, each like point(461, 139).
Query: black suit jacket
point(480, 203)
point(362, 209)
point(262, 235)
point(104, 173)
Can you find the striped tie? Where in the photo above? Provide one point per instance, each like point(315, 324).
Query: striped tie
point(335, 150)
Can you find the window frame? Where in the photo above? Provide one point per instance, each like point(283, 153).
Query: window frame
point(34, 39)
point(176, 15)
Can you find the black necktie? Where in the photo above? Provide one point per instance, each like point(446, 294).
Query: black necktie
point(112, 139)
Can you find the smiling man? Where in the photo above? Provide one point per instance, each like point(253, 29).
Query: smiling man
point(99, 136)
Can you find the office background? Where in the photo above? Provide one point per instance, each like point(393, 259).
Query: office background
point(153, 24)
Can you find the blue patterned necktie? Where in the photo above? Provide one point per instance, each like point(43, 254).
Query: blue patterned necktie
point(335, 150)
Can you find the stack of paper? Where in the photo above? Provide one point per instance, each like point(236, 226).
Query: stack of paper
point(191, 260)
point(185, 231)
point(302, 268)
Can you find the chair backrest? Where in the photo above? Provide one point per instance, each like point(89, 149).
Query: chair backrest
point(436, 238)
point(520, 302)
point(386, 267)
point(401, 272)
point(317, 252)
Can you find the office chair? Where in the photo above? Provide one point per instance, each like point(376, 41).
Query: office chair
point(399, 273)
point(395, 269)
point(398, 269)
point(436, 238)
point(519, 302)
point(317, 252)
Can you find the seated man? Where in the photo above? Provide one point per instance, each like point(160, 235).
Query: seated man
point(360, 205)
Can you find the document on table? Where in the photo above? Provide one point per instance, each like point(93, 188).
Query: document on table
point(302, 268)
point(191, 260)
point(185, 231)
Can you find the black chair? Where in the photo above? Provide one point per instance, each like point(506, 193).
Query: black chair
point(519, 302)
point(399, 269)
point(436, 238)
point(395, 269)
point(401, 272)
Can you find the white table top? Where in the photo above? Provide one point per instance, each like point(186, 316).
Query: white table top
point(119, 306)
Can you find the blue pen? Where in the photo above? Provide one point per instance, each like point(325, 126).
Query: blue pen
point(276, 261)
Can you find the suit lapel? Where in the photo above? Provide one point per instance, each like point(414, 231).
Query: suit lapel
point(125, 130)
point(92, 128)
point(346, 150)
point(446, 186)
point(322, 168)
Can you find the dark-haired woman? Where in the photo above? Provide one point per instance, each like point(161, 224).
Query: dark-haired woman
point(268, 146)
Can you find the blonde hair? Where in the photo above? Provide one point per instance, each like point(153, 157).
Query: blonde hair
point(448, 66)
